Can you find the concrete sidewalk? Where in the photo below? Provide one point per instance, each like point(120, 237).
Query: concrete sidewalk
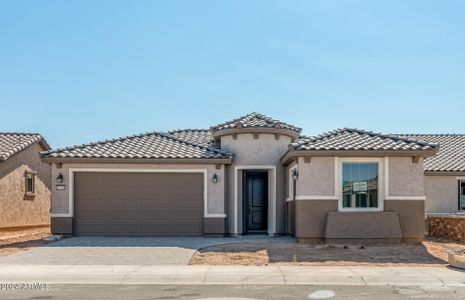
point(228, 275)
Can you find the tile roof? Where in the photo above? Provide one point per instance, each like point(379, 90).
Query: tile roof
point(356, 139)
point(14, 142)
point(451, 155)
point(154, 145)
point(201, 137)
point(256, 120)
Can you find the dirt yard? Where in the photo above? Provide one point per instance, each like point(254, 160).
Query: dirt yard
point(21, 240)
point(432, 252)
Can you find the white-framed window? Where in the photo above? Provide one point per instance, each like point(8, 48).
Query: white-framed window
point(30, 182)
point(461, 194)
point(361, 185)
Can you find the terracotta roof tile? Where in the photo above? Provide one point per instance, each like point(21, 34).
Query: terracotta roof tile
point(201, 137)
point(14, 142)
point(154, 145)
point(357, 139)
point(256, 120)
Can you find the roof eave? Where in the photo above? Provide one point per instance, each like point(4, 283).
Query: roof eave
point(139, 160)
point(44, 144)
point(444, 173)
point(292, 154)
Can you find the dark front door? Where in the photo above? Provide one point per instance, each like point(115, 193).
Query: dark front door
point(256, 200)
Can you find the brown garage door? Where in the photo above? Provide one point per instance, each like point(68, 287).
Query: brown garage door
point(138, 204)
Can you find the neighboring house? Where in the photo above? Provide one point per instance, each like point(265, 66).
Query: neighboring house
point(445, 173)
point(250, 175)
point(24, 181)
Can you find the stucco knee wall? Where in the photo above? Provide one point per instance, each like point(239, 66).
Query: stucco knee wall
point(310, 218)
point(311, 215)
point(411, 217)
point(215, 191)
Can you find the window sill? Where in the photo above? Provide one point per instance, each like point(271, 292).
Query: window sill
point(29, 194)
point(373, 209)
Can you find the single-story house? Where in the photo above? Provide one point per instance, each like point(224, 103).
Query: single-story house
point(250, 175)
point(24, 181)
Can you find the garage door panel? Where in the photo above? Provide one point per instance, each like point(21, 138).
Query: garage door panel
point(122, 203)
point(123, 216)
point(155, 228)
point(150, 204)
point(92, 215)
point(139, 204)
point(186, 228)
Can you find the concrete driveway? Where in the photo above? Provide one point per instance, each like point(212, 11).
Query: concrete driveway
point(124, 250)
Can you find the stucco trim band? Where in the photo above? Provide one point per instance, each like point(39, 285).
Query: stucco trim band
point(444, 173)
point(405, 198)
point(124, 170)
point(316, 197)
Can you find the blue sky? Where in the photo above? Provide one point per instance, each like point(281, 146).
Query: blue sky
point(80, 71)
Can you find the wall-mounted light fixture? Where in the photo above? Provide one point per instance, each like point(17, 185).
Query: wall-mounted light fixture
point(215, 178)
point(295, 175)
point(60, 178)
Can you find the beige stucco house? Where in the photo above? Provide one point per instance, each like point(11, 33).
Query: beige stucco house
point(24, 181)
point(251, 175)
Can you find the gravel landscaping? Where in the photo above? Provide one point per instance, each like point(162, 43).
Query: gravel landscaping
point(432, 252)
point(20, 240)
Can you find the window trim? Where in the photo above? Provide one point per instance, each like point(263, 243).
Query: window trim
point(26, 191)
point(381, 184)
point(459, 190)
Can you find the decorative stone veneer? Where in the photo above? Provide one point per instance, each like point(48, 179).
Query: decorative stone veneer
point(448, 226)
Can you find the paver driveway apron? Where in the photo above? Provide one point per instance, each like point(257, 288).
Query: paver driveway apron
point(123, 250)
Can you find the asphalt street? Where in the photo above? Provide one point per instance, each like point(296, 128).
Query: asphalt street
point(210, 292)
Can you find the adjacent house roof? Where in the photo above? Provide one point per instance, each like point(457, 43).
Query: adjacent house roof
point(255, 120)
point(201, 137)
point(153, 145)
point(12, 143)
point(357, 139)
point(451, 155)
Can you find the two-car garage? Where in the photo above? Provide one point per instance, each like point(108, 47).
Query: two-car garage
point(138, 204)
